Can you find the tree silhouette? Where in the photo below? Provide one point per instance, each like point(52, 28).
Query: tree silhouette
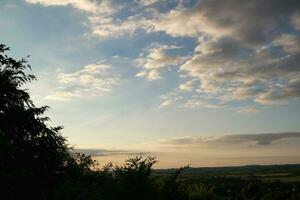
point(134, 179)
point(33, 155)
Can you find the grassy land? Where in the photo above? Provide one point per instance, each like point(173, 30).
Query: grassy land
point(269, 173)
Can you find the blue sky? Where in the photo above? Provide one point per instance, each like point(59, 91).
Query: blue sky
point(137, 75)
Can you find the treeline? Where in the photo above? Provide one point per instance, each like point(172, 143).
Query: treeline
point(136, 180)
point(37, 163)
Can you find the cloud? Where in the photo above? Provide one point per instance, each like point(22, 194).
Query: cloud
point(260, 75)
point(91, 80)
point(196, 103)
point(230, 140)
point(246, 50)
point(295, 21)
point(157, 60)
point(107, 152)
point(239, 56)
point(166, 103)
point(248, 110)
point(101, 16)
point(62, 96)
point(147, 2)
point(110, 27)
point(280, 93)
point(100, 7)
point(236, 19)
point(239, 20)
point(182, 141)
point(184, 97)
point(187, 86)
point(288, 42)
point(153, 75)
point(170, 99)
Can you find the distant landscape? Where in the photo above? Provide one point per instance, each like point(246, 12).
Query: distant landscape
point(231, 182)
point(262, 173)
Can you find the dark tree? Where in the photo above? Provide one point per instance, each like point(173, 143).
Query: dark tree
point(33, 155)
point(134, 179)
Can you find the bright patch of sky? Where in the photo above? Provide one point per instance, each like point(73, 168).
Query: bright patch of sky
point(119, 74)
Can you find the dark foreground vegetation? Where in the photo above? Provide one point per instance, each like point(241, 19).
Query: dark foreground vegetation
point(36, 162)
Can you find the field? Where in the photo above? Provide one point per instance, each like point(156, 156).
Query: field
point(245, 182)
point(269, 173)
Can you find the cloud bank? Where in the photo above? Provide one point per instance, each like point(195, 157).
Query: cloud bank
point(261, 139)
point(245, 50)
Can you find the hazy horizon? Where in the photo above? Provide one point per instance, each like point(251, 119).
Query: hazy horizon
point(190, 82)
point(262, 149)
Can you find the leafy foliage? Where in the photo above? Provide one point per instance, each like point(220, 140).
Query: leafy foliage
point(34, 156)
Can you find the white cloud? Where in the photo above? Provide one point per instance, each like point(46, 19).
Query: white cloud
point(157, 60)
point(197, 103)
point(166, 103)
point(248, 110)
point(101, 18)
point(153, 75)
point(150, 74)
point(110, 27)
point(181, 22)
point(62, 96)
point(171, 99)
point(187, 86)
point(91, 80)
point(178, 98)
point(99, 7)
point(147, 2)
point(141, 74)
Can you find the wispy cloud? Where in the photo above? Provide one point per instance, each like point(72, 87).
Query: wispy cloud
point(102, 7)
point(247, 110)
point(187, 86)
point(108, 152)
point(147, 2)
point(62, 96)
point(201, 103)
point(91, 80)
point(179, 98)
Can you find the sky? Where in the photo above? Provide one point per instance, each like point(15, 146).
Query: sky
point(205, 83)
